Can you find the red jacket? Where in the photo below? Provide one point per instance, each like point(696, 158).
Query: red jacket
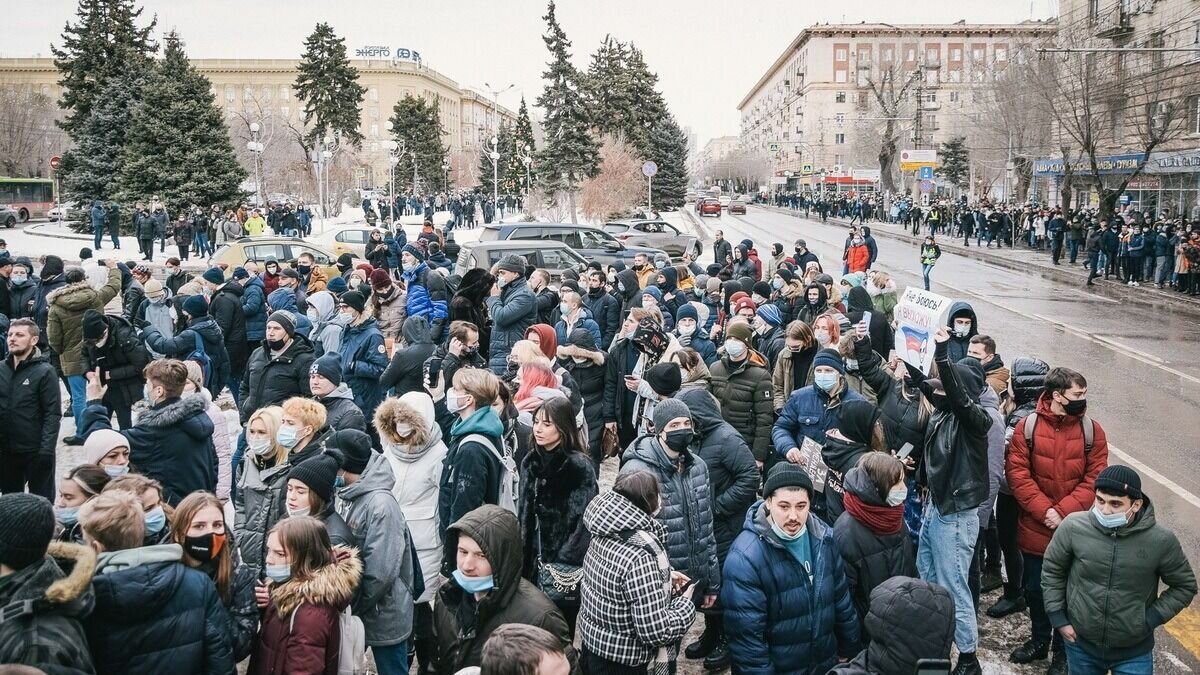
point(858, 258)
point(752, 256)
point(1058, 475)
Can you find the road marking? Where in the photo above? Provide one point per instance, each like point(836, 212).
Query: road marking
point(1185, 628)
point(1123, 349)
point(1162, 480)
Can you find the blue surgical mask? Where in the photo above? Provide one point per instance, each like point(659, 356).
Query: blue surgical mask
point(784, 535)
point(474, 584)
point(156, 520)
point(826, 381)
point(1110, 520)
point(777, 284)
point(564, 308)
point(339, 481)
point(278, 573)
point(116, 470)
point(147, 395)
point(287, 436)
point(67, 515)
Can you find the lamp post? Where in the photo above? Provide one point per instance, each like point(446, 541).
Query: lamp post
point(496, 104)
point(527, 160)
point(257, 148)
point(495, 157)
point(393, 150)
point(446, 173)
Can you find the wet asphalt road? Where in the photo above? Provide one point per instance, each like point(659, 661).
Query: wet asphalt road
point(1142, 363)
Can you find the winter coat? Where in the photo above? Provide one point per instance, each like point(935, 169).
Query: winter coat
point(898, 642)
point(1057, 473)
point(389, 310)
point(783, 377)
point(955, 468)
point(686, 510)
point(224, 437)
point(426, 297)
point(171, 442)
point(364, 357)
point(807, 311)
point(1104, 582)
point(271, 380)
point(733, 477)
point(556, 487)
point(990, 402)
point(254, 307)
point(743, 388)
point(722, 249)
point(626, 612)
point(300, 631)
point(593, 384)
point(606, 310)
point(30, 402)
point(226, 309)
point(23, 299)
point(858, 258)
point(405, 372)
point(156, 615)
point(184, 233)
point(461, 624)
point(46, 633)
point(340, 410)
point(776, 619)
point(808, 413)
point(262, 494)
point(184, 343)
point(471, 473)
point(327, 324)
point(65, 321)
point(956, 345)
point(840, 455)
point(1028, 380)
point(512, 312)
point(284, 299)
point(384, 599)
point(901, 416)
point(562, 330)
point(131, 299)
point(870, 558)
point(417, 471)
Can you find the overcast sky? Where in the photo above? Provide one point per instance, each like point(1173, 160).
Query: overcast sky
point(707, 53)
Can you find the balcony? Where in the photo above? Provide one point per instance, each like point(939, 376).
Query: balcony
point(1112, 23)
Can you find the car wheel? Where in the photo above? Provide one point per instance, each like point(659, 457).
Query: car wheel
point(10, 222)
point(23, 214)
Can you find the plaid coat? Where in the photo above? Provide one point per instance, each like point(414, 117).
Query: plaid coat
point(43, 605)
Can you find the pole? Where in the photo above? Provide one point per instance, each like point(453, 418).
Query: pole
point(649, 207)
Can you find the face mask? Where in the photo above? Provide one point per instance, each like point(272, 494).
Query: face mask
point(788, 537)
point(296, 513)
point(276, 345)
point(278, 573)
point(259, 446)
point(826, 381)
point(312, 317)
point(822, 336)
point(659, 264)
point(940, 402)
point(621, 286)
point(735, 349)
point(1111, 521)
point(1077, 407)
point(18, 279)
point(564, 309)
point(758, 299)
point(851, 364)
point(961, 331)
point(474, 584)
point(687, 330)
point(579, 359)
point(287, 436)
point(303, 269)
point(204, 548)
point(454, 402)
point(147, 394)
point(777, 284)
point(897, 496)
point(679, 440)
point(403, 430)
point(501, 282)
point(611, 277)
point(156, 520)
point(67, 515)
point(116, 470)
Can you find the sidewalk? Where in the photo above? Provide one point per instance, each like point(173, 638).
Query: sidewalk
point(1020, 259)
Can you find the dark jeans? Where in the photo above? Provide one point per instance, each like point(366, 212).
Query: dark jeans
point(1007, 512)
point(1042, 628)
point(32, 468)
point(98, 236)
point(1073, 249)
point(122, 411)
point(598, 665)
point(1093, 264)
point(1111, 267)
point(147, 246)
point(184, 251)
point(1135, 268)
point(424, 646)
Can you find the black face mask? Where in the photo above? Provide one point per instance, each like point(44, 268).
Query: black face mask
point(276, 345)
point(1076, 408)
point(204, 548)
point(303, 269)
point(679, 440)
point(940, 402)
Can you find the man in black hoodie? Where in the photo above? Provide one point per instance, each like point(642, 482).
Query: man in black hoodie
point(30, 404)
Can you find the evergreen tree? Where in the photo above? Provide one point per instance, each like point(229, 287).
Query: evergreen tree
point(525, 145)
point(105, 41)
point(177, 146)
point(94, 162)
point(667, 147)
point(570, 148)
point(955, 162)
point(328, 86)
point(418, 129)
point(608, 88)
point(648, 107)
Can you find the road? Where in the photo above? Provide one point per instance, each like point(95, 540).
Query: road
point(1142, 364)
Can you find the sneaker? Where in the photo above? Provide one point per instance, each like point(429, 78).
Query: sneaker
point(1006, 606)
point(990, 581)
point(1058, 663)
point(1032, 650)
point(702, 647)
point(968, 664)
point(718, 659)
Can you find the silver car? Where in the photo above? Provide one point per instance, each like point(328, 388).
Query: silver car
point(8, 216)
point(654, 234)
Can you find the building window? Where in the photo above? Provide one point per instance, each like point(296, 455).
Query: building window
point(932, 55)
point(374, 113)
point(839, 97)
point(931, 122)
point(839, 54)
point(956, 54)
point(837, 159)
point(931, 97)
point(931, 76)
point(266, 93)
point(285, 111)
point(839, 139)
point(284, 93)
point(840, 77)
point(978, 54)
point(887, 54)
point(840, 119)
point(230, 93)
point(373, 94)
point(247, 93)
point(1001, 54)
point(954, 76)
point(1193, 120)
point(863, 78)
point(954, 97)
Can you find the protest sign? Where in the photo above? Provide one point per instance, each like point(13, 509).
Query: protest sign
point(813, 464)
point(918, 316)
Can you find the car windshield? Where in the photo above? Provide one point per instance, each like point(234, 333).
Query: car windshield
point(615, 228)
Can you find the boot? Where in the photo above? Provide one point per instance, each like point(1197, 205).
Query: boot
point(718, 659)
point(1058, 663)
point(990, 581)
point(1032, 650)
point(704, 646)
point(1006, 606)
point(967, 664)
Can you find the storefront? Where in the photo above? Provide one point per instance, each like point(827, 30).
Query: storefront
point(1169, 182)
point(1178, 183)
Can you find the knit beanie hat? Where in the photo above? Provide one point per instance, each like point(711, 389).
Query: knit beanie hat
point(328, 367)
point(831, 358)
point(380, 279)
point(415, 249)
point(345, 261)
point(354, 300)
point(582, 338)
point(701, 281)
point(686, 311)
point(744, 303)
point(240, 273)
point(740, 330)
point(285, 319)
point(787, 475)
point(26, 528)
point(101, 442)
point(762, 288)
point(1117, 480)
point(667, 410)
point(194, 374)
point(713, 285)
point(664, 378)
point(356, 449)
point(214, 275)
point(512, 263)
point(93, 325)
point(195, 306)
point(337, 286)
point(786, 274)
point(319, 473)
point(770, 314)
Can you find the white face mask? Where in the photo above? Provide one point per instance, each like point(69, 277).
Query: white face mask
point(455, 402)
point(822, 337)
point(299, 512)
point(897, 495)
point(259, 446)
point(687, 330)
point(403, 430)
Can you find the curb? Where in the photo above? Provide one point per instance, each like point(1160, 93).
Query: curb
point(1147, 296)
point(33, 228)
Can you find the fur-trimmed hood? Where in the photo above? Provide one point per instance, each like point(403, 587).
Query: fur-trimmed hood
point(75, 297)
point(182, 413)
point(332, 585)
point(414, 409)
point(61, 583)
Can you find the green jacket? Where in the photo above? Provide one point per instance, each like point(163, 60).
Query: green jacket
point(1104, 583)
point(64, 327)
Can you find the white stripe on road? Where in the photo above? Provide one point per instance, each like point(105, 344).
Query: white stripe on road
point(1157, 477)
point(1124, 350)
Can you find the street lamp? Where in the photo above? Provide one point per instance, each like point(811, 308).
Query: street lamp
point(446, 172)
point(257, 148)
point(393, 151)
point(495, 157)
point(527, 160)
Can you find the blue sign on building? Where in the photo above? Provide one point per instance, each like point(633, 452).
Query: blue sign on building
point(1107, 165)
point(926, 173)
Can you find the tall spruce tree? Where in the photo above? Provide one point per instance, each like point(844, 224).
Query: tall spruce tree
point(667, 147)
point(91, 167)
point(608, 88)
point(569, 148)
point(177, 146)
point(105, 41)
point(328, 86)
point(648, 107)
point(417, 128)
point(525, 145)
point(955, 162)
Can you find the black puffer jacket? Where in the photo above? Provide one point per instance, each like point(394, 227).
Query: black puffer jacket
point(903, 421)
point(405, 371)
point(870, 558)
point(732, 474)
point(121, 361)
point(184, 343)
point(744, 391)
point(30, 410)
point(273, 380)
point(592, 381)
point(226, 310)
point(1028, 376)
point(556, 487)
point(911, 620)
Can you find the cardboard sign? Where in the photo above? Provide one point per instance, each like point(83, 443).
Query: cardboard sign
point(918, 316)
point(813, 464)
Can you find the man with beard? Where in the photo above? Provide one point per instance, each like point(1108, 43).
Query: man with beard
point(29, 400)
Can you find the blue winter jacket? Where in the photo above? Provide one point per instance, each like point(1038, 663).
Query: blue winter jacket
point(254, 306)
point(427, 298)
point(560, 328)
point(1137, 246)
point(364, 358)
point(395, 245)
point(702, 343)
point(97, 215)
point(777, 619)
point(1162, 245)
point(807, 414)
point(284, 299)
point(513, 312)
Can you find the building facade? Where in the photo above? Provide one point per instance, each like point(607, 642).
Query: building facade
point(815, 111)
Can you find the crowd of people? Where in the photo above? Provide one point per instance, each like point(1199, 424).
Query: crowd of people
point(467, 208)
point(298, 467)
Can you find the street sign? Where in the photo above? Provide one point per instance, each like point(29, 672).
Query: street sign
point(926, 186)
point(806, 169)
point(649, 169)
point(911, 160)
point(1125, 199)
point(773, 147)
point(926, 173)
point(55, 162)
point(866, 174)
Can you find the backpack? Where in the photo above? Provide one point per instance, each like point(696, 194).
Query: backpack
point(200, 356)
point(509, 478)
point(352, 653)
point(1089, 432)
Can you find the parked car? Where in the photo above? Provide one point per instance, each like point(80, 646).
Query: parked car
point(737, 206)
point(711, 206)
point(592, 243)
point(654, 233)
point(68, 211)
point(351, 239)
point(553, 256)
point(689, 197)
point(8, 216)
point(283, 249)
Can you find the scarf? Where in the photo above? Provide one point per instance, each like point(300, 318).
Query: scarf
point(882, 520)
point(661, 663)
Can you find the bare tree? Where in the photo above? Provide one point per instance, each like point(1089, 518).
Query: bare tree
point(28, 135)
point(893, 89)
point(618, 187)
point(1008, 124)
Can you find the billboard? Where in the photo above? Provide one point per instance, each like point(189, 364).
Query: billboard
point(911, 160)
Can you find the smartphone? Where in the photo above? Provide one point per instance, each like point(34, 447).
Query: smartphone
point(867, 319)
point(433, 370)
point(905, 451)
point(933, 666)
point(684, 588)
